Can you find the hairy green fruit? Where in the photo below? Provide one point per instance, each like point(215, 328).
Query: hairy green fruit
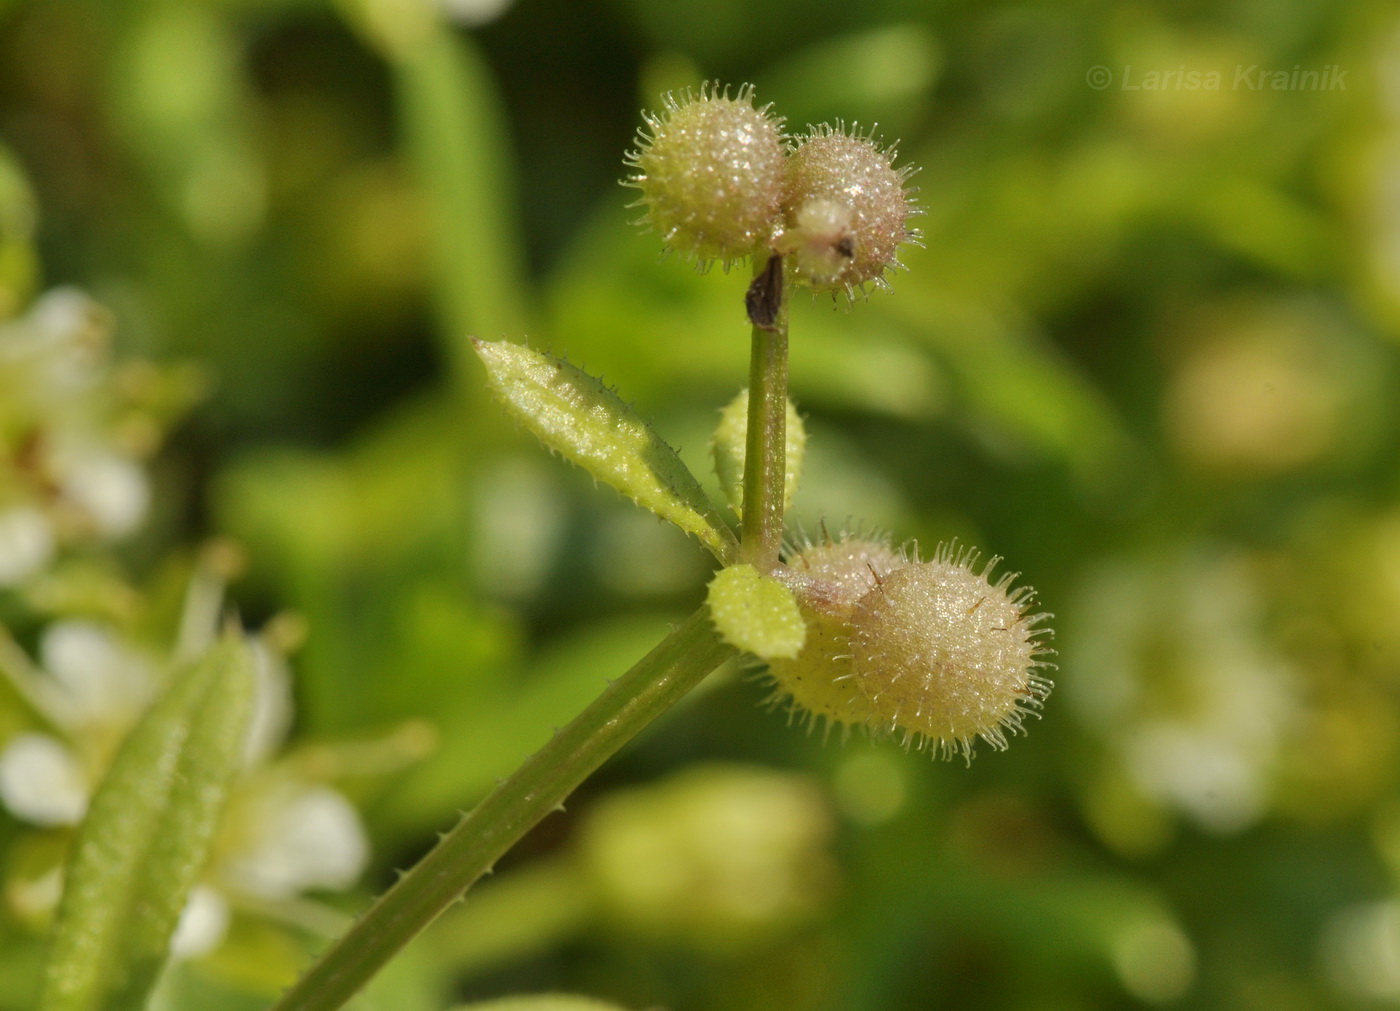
point(944, 656)
point(846, 212)
point(932, 651)
point(830, 579)
point(710, 169)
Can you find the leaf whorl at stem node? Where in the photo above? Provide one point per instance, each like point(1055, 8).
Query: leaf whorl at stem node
point(933, 652)
point(755, 613)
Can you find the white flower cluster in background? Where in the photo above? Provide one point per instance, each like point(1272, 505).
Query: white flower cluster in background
point(287, 832)
point(75, 430)
point(1176, 677)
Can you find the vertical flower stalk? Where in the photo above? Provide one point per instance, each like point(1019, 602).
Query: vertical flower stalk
point(765, 455)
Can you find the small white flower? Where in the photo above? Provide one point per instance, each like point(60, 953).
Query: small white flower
point(272, 704)
point(26, 544)
point(305, 837)
point(42, 782)
point(103, 680)
point(110, 489)
point(1219, 781)
point(203, 924)
point(59, 343)
point(1174, 672)
point(62, 312)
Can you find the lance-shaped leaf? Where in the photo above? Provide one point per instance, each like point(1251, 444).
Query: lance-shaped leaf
point(728, 445)
point(147, 837)
point(756, 613)
point(577, 416)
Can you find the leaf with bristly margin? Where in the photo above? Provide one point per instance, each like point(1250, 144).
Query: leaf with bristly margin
point(578, 417)
point(729, 447)
point(756, 613)
point(147, 837)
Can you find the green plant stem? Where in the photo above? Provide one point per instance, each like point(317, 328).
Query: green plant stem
point(655, 683)
point(765, 449)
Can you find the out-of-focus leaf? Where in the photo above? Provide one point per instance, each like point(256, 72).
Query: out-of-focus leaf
point(515, 915)
point(456, 139)
point(19, 268)
point(578, 417)
point(1013, 382)
point(146, 837)
point(183, 109)
point(21, 968)
point(833, 78)
point(1263, 223)
point(371, 547)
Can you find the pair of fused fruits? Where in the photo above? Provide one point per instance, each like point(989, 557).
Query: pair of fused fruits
point(934, 651)
point(721, 181)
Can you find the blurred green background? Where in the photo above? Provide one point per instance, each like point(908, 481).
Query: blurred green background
point(1148, 353)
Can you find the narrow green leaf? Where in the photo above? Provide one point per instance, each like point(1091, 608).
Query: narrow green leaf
point(728, 446)
point(756, 613)
point(577, 416)
point(147, 837)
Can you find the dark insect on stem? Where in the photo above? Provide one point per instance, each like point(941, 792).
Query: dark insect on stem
point(765, 295)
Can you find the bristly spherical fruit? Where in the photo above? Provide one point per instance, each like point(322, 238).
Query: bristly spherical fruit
point(829, 578)
point(846, 211)
point(710, 169)
point(944, 656)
